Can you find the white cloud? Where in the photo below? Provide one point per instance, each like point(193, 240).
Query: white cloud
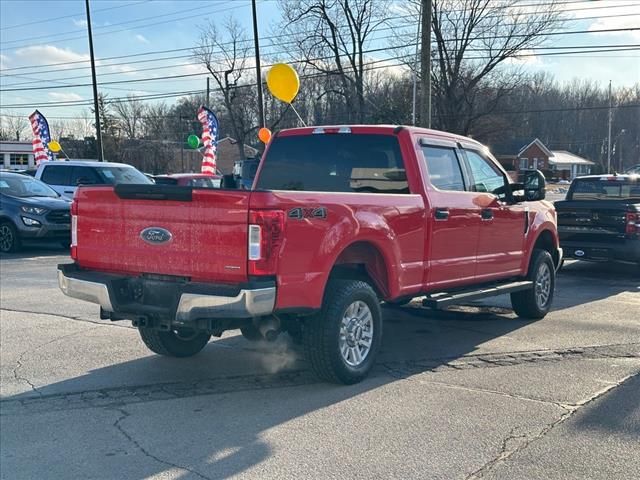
point(4, 61)
point(142, 39)
point(44, 54)
point(80, 23)
point(616, 14)
point(526, 58)
point(64, 97)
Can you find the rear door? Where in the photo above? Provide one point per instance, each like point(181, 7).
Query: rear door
point(502, 225)
point(454, 220)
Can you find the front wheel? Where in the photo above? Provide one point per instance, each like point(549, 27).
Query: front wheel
point(9, 239)
point(175, 343)
point(342, 341)
point(535, 303)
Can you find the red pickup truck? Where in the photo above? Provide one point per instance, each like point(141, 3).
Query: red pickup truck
point(339, 218)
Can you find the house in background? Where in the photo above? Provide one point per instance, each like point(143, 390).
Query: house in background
point(555, 164)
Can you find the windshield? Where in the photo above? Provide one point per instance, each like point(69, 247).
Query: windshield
point(116, 175)
point(24, 186)
point(606, 189)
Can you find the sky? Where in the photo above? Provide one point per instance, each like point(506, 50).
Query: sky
point(36, 33)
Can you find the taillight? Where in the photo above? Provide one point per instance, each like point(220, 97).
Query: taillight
point(265, 238)
point(632, 223)
point(74, 230)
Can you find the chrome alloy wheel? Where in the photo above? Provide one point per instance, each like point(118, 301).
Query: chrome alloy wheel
point(356, 333)
point(6, 238)
point(543, 285)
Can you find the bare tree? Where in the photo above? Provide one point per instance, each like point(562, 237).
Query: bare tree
point(155, 123)
point(13, 126)
point(82, 126)
point(332, 36)
point(129, 114)
point(225, 54)
point(473, 38)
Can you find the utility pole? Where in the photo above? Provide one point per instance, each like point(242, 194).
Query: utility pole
point(609, 137)
point(208, 93)
point(425, 65)
point(415, 75)
point(95, 86)
point(256, 43)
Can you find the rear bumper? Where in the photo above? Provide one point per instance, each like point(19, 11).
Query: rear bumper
point(178, 302)
point(627, 251)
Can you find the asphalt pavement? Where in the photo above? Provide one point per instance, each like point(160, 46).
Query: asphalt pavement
point(471, 392)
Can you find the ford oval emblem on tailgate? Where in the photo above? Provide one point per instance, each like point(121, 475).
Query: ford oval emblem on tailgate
point(156, 235)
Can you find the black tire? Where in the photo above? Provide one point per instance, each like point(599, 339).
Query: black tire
point(9, 238)
point(251, 333)
point(322, 332)
point(533, 303)
point(174, 344)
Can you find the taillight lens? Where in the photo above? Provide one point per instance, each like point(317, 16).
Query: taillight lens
point(265, 238)
point(632, 223)
point(74, 230)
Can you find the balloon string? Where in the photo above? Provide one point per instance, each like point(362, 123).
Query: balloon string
point(296, 112)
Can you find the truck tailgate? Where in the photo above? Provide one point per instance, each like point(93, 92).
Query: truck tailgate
point(591, 221)
point(207, 230)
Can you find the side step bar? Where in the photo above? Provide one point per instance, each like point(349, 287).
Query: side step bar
point(441, 300)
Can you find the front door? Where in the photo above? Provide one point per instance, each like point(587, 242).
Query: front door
point(502, 226)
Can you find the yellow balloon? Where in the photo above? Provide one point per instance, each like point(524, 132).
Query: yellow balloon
point(283, 82)
point(54, 146)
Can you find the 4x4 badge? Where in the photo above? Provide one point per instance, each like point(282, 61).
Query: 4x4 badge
point(300, 213)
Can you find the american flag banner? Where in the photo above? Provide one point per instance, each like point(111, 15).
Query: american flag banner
point(41, 137)
point(209, 123)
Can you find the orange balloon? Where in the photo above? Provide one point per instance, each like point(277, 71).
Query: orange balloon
point(264, 134)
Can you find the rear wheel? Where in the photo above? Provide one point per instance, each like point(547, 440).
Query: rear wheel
point(9, 239)
point(176, 343)
point(342, 341)
point(536, 302)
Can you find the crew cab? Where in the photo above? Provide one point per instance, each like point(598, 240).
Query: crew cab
point(338, 219)
point(600, 218)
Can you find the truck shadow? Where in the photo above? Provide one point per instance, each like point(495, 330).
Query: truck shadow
point(232, 430)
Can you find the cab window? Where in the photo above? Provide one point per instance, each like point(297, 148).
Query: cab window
point(443, 168)
point(56, 175)
point(485, 176)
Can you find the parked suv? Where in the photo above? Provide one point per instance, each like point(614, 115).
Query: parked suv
point(30, 209)
point(64, 177)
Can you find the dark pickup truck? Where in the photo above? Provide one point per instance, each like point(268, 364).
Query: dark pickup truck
point(600, 218)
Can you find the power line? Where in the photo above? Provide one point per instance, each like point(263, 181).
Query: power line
point(188, 75)
point(82, 14)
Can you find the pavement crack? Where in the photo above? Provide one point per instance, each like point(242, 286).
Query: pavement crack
point(118, 426)
point(68, 317)
point(21, 357)
point(514, 443)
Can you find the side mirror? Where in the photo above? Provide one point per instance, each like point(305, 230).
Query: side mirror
point(534, 186)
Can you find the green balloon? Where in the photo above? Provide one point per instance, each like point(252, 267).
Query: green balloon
point(193, 141)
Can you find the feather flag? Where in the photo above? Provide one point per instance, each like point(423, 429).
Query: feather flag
point(209, 123)
point(41, 137)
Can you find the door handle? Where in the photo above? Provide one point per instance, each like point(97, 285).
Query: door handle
point(487, 214)
point(441, 214)
point(68, 191)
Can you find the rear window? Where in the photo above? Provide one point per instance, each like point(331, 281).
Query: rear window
point(604, 189)
point(334, 163)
